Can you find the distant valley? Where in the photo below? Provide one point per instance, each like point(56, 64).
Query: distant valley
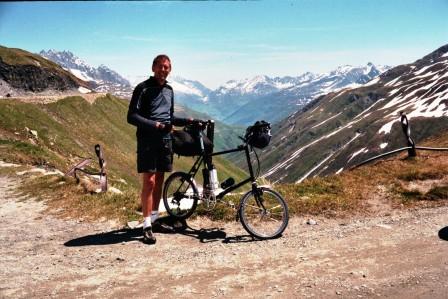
point(272, 99)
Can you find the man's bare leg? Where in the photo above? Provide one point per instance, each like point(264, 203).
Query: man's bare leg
point(148, 180)
point(147, 195)
point(157, 194)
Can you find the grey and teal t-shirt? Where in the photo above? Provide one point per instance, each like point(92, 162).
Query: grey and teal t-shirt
point(151, 103)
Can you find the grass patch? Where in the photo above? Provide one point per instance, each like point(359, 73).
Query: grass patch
point(221, 212)
point(408, 196)
point(414, 197)
point(69, 199)
point(318, 196)
point(22, 152)
point(438, 192)
point(416, 174)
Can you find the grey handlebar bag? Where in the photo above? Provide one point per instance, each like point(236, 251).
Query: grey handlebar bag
point(186, 143)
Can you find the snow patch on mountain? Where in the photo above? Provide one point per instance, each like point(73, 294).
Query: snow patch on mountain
point(427, 98)
point(188, 90)
point(178, 87)
point(328, 119)
point(362, 150)
point(81, 75)
point(327, 158)
point(83, 90)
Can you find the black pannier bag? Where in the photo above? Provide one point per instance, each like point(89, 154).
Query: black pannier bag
point(186, 143)
point(259, 134)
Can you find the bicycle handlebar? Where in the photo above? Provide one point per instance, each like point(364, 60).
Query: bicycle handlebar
point(261, 125)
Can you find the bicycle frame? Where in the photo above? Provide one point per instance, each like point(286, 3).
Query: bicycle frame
point(207, 160)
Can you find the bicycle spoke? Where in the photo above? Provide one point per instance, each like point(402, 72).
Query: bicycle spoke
point(179, 196)
point(264, 217)
point(277, 206)
point(255, 207)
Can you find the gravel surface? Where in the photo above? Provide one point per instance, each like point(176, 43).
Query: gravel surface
point(402, 255)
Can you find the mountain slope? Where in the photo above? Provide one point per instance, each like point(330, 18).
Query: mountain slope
point(22, 72)
point(340, 129)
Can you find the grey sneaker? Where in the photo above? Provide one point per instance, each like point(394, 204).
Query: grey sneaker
point(148, 236)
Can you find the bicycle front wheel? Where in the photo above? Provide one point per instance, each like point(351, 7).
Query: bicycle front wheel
point(263, 214)
point(180, 195)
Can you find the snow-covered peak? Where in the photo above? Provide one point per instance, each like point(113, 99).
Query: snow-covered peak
point(229, 84)
point(105, 79)
point(257, 81)
point(189, 88)
point(341, 77)
point(258, 85)
point(343, 69)
point(383, 68)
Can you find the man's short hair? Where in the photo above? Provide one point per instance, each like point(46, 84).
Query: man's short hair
point(160, 57)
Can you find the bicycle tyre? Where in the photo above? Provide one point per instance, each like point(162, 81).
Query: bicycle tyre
point(180, 195)
point(264, 223)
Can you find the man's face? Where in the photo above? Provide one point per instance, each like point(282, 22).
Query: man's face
point(162, 69)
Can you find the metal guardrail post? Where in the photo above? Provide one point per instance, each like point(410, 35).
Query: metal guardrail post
point(411, 148)
point(407, 132)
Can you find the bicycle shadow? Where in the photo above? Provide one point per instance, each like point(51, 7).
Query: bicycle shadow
point(208, 235)
point(443, 233)
point(204, 235)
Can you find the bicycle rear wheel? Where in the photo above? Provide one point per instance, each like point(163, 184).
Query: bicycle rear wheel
point(263, 214)
point(180, 195)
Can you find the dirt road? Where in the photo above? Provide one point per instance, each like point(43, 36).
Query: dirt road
point(402, 255)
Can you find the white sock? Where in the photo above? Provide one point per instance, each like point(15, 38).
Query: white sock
point(147, 222)
point(154, 216)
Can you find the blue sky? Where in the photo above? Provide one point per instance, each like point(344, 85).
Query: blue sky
point(216, 41)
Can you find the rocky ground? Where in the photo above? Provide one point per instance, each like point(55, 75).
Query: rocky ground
point(401, 254)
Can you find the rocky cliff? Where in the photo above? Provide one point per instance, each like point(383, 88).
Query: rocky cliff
point(22, 71)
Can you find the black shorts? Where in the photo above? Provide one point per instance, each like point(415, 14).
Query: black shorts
point(156, 156)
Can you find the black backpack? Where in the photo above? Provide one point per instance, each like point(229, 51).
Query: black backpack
point(186, 143)
point(259, 134)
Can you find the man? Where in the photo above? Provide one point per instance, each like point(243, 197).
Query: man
point(152, 110)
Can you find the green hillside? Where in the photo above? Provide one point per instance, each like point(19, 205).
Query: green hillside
point(68, 129)
point(13, 56)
